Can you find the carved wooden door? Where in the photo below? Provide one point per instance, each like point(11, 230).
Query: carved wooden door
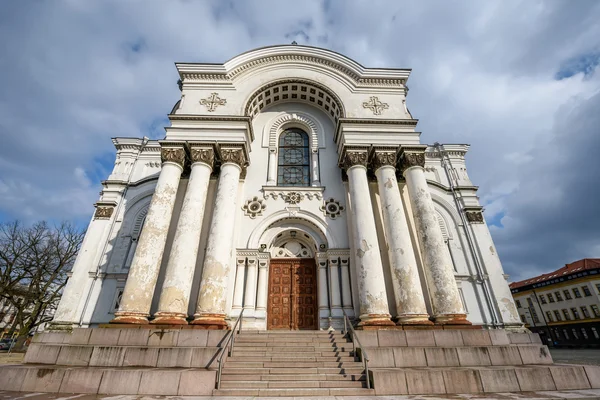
point(292, 294)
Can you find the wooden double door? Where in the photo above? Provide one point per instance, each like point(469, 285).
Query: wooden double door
point(292, 294)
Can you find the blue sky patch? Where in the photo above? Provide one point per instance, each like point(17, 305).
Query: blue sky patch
point(585, 63)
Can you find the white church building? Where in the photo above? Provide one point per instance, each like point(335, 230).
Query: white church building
point(291, 185)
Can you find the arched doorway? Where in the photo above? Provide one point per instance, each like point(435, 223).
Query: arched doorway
point(292, 293)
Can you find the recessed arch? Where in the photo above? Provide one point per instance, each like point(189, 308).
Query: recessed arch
point(302, 120)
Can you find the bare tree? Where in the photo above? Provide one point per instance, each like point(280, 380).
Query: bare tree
point(34, 262)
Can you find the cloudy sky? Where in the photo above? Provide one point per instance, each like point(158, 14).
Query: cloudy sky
point(518, 80)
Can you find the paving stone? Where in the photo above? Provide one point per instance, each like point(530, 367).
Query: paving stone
point(11, 378)
point(380, 357)
point(216, 338)
point(107, 356)
point(74, 355)
point(425, 382)
point(104, 337)
point(448, 338)
point(120, 382)
point(174, 357)
point(134, 337)
point(391, 338)
point(81, 380)
point(293, 392)
point(40, 353)
point(389, 382)
point(535, 378)
point(46, 380)
point(569, 377)
point(476, 338)
point(593, 375)
point(419, 338)
point(368, 338)
point(498, 380)
point(535, 354)
point(499, 337)
point(205, 357)
point(192, 338)
point(473, 356)
point(441, 357)
point(159, 382)
point(197, 383)
point(140, 357)
point(462, 381)
point(163, 338)
point(80, 336)
point(504, 355)
point(410, 357)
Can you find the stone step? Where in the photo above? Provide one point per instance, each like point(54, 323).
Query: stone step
point(295, 364)
point(291, 384)
point(301, 342)
point(288, 360)
point(293, 370)
point(294, 392)
point(297, 377)
point(239, 353)
point(271, 347)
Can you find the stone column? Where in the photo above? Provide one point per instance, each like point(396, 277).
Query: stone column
point(210, 312)
point(263, 285)
point(250, 295)
point(410, 303)
point(177, 286)
point(346, 290)
point(139, 289)
point(272, 167)
point(238, 289)
point(67, 315)
point(446, 302)
point(334, 286)
point(316, 179)
point(323, 288)
point(374, 308)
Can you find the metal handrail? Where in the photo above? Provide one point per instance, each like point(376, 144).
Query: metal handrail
point(355, 342)
point(229, 346)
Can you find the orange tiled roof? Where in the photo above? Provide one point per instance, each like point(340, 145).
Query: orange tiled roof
point(580, 265)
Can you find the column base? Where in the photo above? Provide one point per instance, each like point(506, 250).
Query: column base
point(376, 320)
point(210, 321)
point(169, 318)
point(126, 317)
point(452, 319)
point(414, 319)
point(61, 326)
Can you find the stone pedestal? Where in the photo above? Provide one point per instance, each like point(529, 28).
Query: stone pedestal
point(410, 303)
point(175, 294)
point(374, 310)
point(210, 311)
point(446, 302)
point(139, 289)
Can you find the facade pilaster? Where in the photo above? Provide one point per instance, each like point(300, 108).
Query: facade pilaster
point(141, 281)
point(262, 286)
point(323, 289)
point(408, 292)
point(177, 285)
point(445, 297)
point(238, 289)
point(373, 305)
point(346, 289)
point(250, 293)
point(334, 285)
point(210, 311)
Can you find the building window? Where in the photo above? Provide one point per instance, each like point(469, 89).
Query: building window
point(566, 314)
point(518, 303)
point(535, 317)
point(575, 313)
point(558, 296)
point(575, 335)
point(523, 319)
point(550, 298)
point(585, 312)
point(557, 315)
point(567, 294)
point(584, 333)
point(462, 299)
point(595, 332)
point(543, 299)
point(549, 316)
point(566, 334)
point(576, 293)
point(557, 333)
point(586, 291)
point(117, 300)
point(595, 310)
point(294, 159)
point(598, 287)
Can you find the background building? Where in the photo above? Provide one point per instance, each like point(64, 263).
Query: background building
point(564, 305)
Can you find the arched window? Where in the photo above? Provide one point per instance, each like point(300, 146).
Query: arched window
point(294, 159)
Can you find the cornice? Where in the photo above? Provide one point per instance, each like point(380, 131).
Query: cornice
point(215, 118)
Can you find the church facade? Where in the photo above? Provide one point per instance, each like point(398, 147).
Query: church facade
point(291, 185)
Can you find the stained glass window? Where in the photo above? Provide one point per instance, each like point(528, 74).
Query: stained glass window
point(294, 159)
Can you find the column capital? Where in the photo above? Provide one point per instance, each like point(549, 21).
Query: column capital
point(173, 153)
point(383, 156)
point(234, 154)
point(202, 153)
point(353, 156)
point(412, 156)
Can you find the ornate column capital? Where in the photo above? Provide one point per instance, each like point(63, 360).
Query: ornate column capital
point(413, 156)
point(354, 156)
point(234, 154)
point(383, 156)
point(202, 152)
point(172, 152)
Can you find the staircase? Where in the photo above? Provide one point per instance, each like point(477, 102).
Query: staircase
point(293, 363)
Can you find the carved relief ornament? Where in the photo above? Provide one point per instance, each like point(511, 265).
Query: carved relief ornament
point(104, 212)
point(355, 157)
point(233, 155)
point(474, 217)
point(175, 155)
point(204, 155)
point(412, 159)
point(382, 158)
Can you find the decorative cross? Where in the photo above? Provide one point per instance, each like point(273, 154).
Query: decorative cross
point(375, 105)
point(213, 101)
